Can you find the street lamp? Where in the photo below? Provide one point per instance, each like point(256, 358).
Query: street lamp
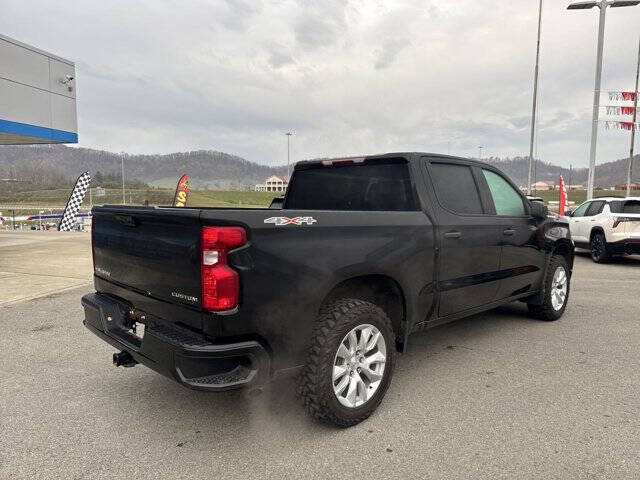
point(288, 134)
point(481, 147)
point(602, 5)
point(535, 100)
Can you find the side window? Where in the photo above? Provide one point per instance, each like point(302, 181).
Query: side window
point(594, 209)
point(581, 210)
point(505, 198)
point(615, 207)
point(456, 188)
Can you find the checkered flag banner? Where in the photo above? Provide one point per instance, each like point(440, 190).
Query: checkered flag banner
point(74, 203)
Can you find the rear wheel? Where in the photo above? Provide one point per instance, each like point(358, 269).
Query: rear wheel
point(599, 249)
point(556, 291)
point(350, 362)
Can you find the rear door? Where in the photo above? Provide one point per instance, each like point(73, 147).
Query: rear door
point(521, 260)
point(469, 254)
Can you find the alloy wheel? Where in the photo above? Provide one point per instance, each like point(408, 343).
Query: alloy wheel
point(358, 366)
point(559, 288)
point(597, 247)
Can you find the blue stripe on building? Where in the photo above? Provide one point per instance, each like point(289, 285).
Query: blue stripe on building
point(24, 129)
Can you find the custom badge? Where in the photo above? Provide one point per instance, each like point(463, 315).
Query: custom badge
point(281, 221)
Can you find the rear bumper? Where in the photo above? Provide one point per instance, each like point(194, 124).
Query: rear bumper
point(176, 352)
point(629, 245)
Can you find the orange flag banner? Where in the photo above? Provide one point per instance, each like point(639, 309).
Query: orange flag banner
point(564, 198)
point(182, 192)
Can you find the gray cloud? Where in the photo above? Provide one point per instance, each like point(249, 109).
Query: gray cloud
point(387, 53)
point(320, 23)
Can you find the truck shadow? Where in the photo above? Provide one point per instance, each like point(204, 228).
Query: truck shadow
point(226, 420)
point(622, 260)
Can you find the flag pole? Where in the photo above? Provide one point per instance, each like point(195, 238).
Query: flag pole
point(633, 130)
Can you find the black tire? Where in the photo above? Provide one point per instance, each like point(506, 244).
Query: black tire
point(599, 249)
point(546, 310)
point(315, 385)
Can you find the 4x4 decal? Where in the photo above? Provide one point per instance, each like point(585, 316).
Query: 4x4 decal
point(280, 221)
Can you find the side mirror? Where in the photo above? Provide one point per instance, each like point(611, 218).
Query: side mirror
point(538, 210)
point(568, 213)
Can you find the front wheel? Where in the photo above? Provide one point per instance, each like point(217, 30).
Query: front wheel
point(350, 362)
point(598, 247)
point(556, 291)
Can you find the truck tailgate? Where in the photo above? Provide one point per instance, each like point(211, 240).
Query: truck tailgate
point(153, 251)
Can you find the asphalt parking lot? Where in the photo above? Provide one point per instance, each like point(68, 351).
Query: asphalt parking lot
point(498, 395)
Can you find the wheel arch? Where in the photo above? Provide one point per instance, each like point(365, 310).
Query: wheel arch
point(597, 229)
point(379, 289)
point(565, 248)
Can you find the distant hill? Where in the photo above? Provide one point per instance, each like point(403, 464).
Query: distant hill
point(59, 164)
point(607, 174)
point(44, 166)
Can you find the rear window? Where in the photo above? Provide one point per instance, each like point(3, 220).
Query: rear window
point(369, 187)
point(455, 187)
point(631, 206)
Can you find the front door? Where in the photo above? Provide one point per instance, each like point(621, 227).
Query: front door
point(521, 261)
point(469, 254)
point(578, 223)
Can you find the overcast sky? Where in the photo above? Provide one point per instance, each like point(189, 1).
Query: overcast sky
point(346, 76)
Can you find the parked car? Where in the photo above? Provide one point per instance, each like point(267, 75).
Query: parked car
point(607, 226)
point(362, 253)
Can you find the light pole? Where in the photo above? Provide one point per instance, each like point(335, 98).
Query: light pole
point(40, 218)
point(535, 100)
point(124, 200)
point(602, 5)
point(633, 130)
point(288, 134)
point(480, 152)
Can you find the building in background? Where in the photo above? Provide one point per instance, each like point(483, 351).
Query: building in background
point(37, 96)
point(623, 186)
point(542, 186)
point(273, 184)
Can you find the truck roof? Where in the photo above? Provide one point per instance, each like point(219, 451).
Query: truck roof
point(613, 198)
point(406, 155)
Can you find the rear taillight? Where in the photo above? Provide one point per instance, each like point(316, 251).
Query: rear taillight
point(618, 220)
point(220, 283)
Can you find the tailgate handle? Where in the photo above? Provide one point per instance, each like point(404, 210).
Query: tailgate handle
point(127, 220)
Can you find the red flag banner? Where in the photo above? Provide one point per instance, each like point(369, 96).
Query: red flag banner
point(564, 197)
point(627, 110)
point(622, 96)
point(627, 125)
point(182, 192)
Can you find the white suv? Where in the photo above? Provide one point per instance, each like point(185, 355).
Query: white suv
point(607, 226)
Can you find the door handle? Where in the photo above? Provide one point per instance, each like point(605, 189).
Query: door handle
point(509, 231)
point(454, 234)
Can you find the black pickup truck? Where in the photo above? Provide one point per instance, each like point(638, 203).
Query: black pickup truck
point(330, 283)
